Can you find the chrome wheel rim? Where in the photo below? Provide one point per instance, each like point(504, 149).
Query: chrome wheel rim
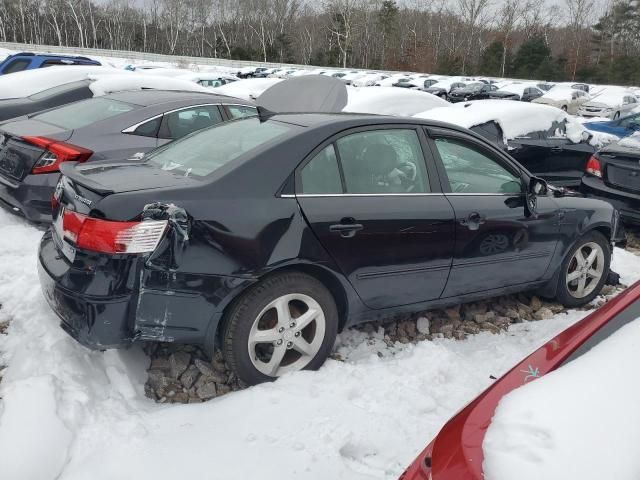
point(585, 270)
point(286, 335)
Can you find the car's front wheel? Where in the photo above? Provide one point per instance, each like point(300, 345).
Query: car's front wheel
point(584, 270)
point(287, 322)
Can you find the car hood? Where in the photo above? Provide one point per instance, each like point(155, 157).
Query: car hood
point(601, 126)
point(24, 126)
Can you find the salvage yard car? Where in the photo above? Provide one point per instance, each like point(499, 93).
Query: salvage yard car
point(267, 235)
point(115, 126)
point(613, 174)
point(457, 452)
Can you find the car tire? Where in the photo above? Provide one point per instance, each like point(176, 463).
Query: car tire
point(578, 283)
point(262, 326)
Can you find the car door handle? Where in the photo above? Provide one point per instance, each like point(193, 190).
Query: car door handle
point(473, 221)
point(556, 149)
point(347, 228)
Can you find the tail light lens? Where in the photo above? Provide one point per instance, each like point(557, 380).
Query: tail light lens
point(107, 236)
point(56, 153)
point(593, 167)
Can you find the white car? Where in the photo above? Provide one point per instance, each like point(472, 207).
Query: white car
point(565, 98)
point(209, 79)
point(610, 103)
point(369, 79)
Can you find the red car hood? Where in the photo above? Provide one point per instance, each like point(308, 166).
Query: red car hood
point(456, 452)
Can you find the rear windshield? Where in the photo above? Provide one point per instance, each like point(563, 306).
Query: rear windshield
point(86, 112)
point(57, 90)
point(204, 152)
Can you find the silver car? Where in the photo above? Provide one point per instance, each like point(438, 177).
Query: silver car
point(119, 126)
point(609, 104)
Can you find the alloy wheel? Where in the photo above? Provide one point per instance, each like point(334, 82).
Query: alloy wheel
point(286, 335)
point(585, 270)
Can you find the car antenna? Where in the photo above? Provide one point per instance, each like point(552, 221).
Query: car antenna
point(264, 114)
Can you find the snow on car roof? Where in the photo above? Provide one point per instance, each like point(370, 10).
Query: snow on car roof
point(132, 81)
point(29, 82)
point(517, 88)
point(515, 118)
point(391, 101)
point(560, 92)
point(549, 427)
point(611, 97)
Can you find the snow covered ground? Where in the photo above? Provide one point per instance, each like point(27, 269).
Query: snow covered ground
point(69, 413)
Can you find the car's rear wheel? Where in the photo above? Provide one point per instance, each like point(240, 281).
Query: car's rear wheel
point(584, 270)
point(287, 322)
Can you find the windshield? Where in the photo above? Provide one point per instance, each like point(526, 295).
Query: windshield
point(86, 112)
point(474, 87)
point(203, 152)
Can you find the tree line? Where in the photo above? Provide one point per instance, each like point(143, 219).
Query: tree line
point(517, 38)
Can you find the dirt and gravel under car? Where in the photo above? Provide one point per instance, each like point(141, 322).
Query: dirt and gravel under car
point(267, 235)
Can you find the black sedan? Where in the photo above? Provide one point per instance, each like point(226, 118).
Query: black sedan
point(521, 92)
point(613, 174)
point(116, 126)
point(266, 236)
point(472, 91)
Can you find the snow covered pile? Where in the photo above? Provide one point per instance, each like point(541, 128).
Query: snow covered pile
point(249, 89)
point(391, 101)
point(29, 82)
point(632, 141)
point(515, 118)
point(133, 81)
point(579, 422)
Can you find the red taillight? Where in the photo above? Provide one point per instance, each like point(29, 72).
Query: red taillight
point(108, 236)
point(56, 153)
point(593, 167)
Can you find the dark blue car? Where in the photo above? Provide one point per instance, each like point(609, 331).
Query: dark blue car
point(27, 61)
point(621, 127)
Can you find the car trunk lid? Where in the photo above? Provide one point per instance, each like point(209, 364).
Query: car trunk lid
point(621, 170)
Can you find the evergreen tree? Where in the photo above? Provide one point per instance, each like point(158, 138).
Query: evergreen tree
point(491, 60)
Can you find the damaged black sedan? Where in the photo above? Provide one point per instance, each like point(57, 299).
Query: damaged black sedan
point(266, 236)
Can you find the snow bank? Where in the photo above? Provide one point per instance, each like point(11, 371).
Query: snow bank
point(133, 81)
point(515, 118)
point(248, 89)
point(580, 421)
point(391, 101)
point(28, 82)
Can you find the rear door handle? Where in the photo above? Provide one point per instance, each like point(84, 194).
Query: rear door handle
point(556, 149)
point(473, 221)
point(347, 227)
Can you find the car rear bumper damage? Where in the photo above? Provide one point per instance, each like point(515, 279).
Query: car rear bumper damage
point(628, 204)
point(101, 314)
point(30, 198)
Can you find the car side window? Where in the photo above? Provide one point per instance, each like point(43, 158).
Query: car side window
point(149, 129)
point(383, 161)
point(472, 170)
point(322, 174)
point(241, 111)
point(16, 66)
point(186, 121)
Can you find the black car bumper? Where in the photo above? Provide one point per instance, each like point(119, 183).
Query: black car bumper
point(30, 198)
point(108, 303)
point(628, 204)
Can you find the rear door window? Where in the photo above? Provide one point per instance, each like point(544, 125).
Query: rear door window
point(188, 120)
point(83, 113)
point(148, 129)
point(321, 176)
point(17, 65)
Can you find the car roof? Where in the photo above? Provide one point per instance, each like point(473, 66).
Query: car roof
point(146, 98)
point(347, 120)
point(50, 55)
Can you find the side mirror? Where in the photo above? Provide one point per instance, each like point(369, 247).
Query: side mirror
point(586, 136)
point(537, 187)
